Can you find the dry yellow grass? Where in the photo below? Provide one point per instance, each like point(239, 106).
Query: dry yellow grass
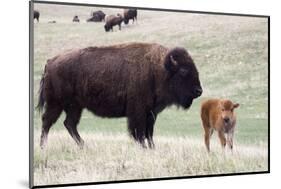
point(110, 157)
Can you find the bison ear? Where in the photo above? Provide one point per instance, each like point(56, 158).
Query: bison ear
point(236, 105)
point(170, 63)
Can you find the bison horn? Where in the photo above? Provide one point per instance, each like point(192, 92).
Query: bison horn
point(173, 61)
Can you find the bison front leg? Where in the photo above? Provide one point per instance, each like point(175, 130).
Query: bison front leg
point(73, 115)
point(150, 121)
point(229, 139)
point(222, 138)
point(137, 126)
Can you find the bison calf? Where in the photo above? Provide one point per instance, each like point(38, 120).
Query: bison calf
point(75, 19)
point(219, 115)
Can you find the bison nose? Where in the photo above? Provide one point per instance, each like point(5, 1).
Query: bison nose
point(226, 119)
point(198, 91)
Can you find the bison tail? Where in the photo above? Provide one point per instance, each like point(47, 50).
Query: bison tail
point(41, 100)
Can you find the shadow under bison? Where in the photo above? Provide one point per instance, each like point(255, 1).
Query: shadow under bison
point(134, 80)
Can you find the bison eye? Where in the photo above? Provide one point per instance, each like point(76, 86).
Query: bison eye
point(183, 72)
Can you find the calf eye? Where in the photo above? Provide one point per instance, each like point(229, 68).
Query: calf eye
point(222, 109)
point(183, 72)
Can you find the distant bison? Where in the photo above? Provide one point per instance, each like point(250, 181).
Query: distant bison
point(75, 19)
point(96, 16)
point(219, 115)
point(134, 80)
point(130, 14)
point(99, 14)
point(111, 21)
point(36, 15)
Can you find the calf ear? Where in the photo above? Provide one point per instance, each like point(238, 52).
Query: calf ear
point(170, 63)
point(236, 105)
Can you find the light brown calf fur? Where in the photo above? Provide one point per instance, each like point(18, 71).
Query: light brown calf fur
point(219, 115)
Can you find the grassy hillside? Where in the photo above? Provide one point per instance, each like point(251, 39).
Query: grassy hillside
point(230, 53)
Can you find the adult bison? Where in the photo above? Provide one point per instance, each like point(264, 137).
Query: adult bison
point(96, 16)
point(99, 14)
point(36, 15)
point(130, 14)
point(111, 21)
point(134, 80)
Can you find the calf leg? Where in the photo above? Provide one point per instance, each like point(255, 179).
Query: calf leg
point(229, 140)
point(150, 120)
point(207, 136)
point(50, 116)
point(222, 138)
point(73, 115)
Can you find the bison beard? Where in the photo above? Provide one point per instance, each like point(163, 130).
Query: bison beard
point(134, 80)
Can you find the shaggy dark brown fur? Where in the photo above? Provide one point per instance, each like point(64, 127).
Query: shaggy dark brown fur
point(98, 16)
point(36, 15)
point(134, 80)
point(111, 21)
point(130, 14)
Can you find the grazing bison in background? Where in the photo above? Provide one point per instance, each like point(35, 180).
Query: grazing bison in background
point(75, 19)
point(219, 115)
point(36, 15)
point(134, 80)
point(130, 14)
point(111, 21)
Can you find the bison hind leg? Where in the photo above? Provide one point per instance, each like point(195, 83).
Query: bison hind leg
point(50, 116)
point(207, 136)
point(73, 115)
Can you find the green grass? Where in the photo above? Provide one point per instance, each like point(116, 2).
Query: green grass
point(229, 52)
